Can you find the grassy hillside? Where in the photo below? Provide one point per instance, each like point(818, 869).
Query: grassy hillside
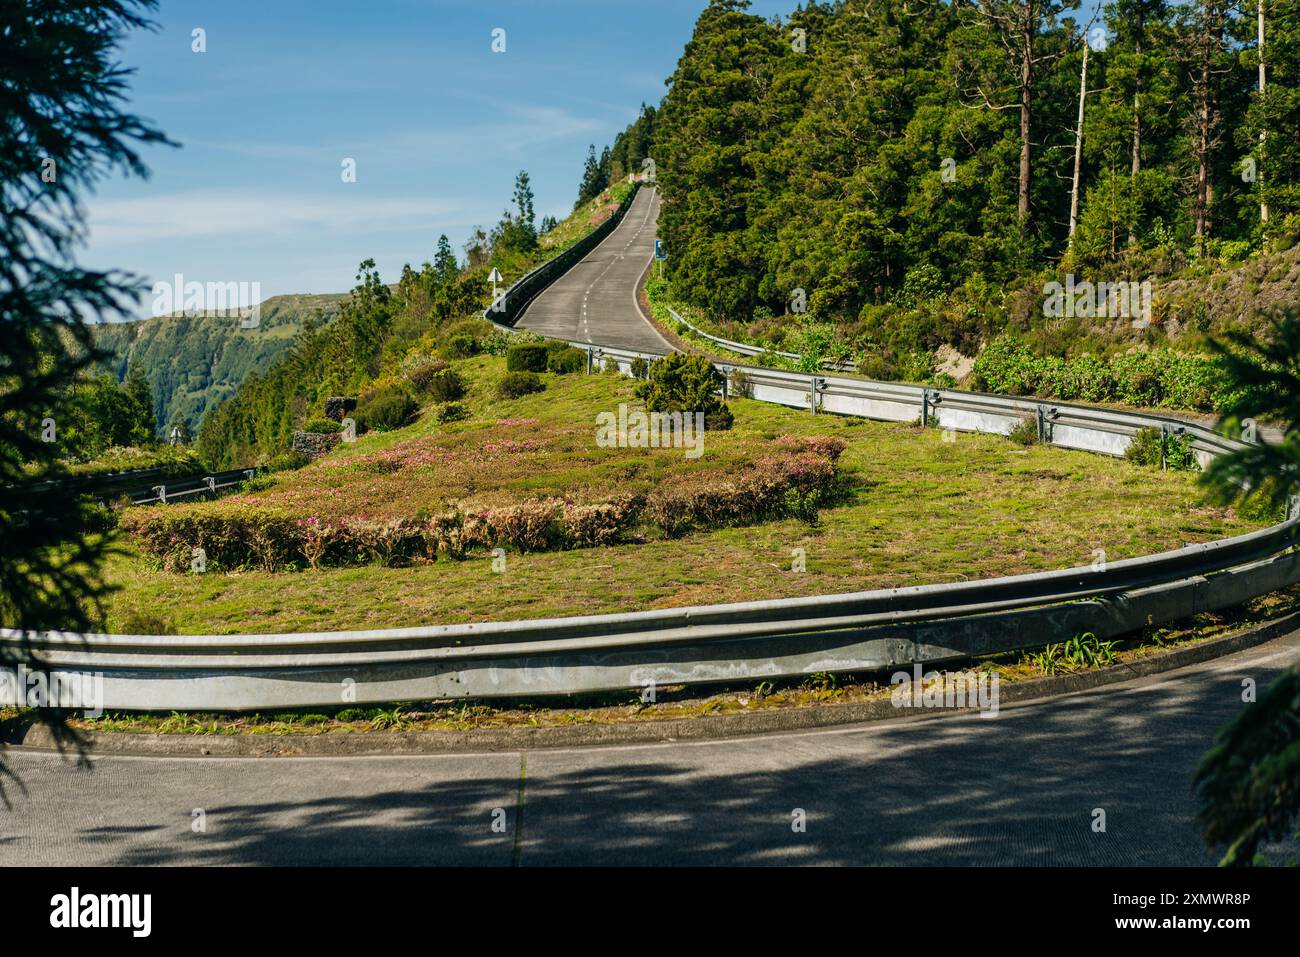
point(382, 332)
point(193, 362)
point(914, 508)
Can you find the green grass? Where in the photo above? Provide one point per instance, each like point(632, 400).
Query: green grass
point(917, 510)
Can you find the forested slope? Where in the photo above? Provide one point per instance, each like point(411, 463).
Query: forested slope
point(910, 174)
point(192, 363)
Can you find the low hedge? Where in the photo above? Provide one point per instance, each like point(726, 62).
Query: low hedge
point(527, 357)
point(516, 384)
point(235, 535)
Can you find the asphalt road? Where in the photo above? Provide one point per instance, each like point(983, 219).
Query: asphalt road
point(1020, 788)
point(595, 301)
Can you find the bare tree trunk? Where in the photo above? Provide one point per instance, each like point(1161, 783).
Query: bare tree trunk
point(1263, 206)
point(1026, 105)
point(1078, 146)
point(1136, 167)
point(1203, 126)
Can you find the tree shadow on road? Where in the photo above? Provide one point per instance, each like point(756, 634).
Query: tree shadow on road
point(1026, 787)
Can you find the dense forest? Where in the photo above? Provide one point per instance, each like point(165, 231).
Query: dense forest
point(914, 171)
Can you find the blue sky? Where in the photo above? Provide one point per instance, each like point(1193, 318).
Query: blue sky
point(437, 123)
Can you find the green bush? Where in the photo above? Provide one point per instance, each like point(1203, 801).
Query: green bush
point(1024, 432)
point(326, 426)
point(1144, 449)
point(476, 329)
point(639, 368)
point(422, 375)
point(527, 357)
point(461, 347)
point(287, 462)
point(451, 412)
point(516, 384)
point(386, 409)
point(686, 383)
point(566, 360)
point(445, 386)
point(1142, 377)
point(497, 344)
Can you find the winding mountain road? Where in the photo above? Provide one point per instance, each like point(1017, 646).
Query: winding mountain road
point(1019, 788)
point(1024, 787)
point(596, 300)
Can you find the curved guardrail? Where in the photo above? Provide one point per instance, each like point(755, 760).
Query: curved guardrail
point(744, 641)
point(141, 486)
point(745, 349)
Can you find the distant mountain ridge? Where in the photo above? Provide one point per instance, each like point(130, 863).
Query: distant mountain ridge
point(192, 362)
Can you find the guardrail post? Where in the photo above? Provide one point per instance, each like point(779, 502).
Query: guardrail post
point(930, 400)
point(1292, 506)
point(161, 492)
point(818, 386)
point(210, 482)
point(1164, 450)
point(593, 356)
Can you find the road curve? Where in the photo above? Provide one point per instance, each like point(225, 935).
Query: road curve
point(1020, 788)
point(596, 300)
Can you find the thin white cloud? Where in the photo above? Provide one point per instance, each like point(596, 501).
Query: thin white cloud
point(512, 128)
point(230, 212)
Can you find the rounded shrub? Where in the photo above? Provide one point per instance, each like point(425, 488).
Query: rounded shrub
point(386, 409)
point(686, 383)
point(421, 375)
point(516, 384)
point(451, 412)
point(287, 462)
point(445, 386)
point(566, 360)
point(527, 357)
point(461, 347)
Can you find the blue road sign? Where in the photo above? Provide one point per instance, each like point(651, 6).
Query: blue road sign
point(659, 250)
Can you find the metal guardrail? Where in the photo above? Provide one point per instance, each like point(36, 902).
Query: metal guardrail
point(745, 641)
point(745, 349)
point(141, 486)
point(165, 492)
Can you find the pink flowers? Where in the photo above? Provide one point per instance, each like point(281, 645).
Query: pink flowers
point(426, 454)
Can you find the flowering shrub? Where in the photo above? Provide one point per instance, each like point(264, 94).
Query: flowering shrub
point(586, 526)
point(772, 487)
point(826, 446)
point(529, 526)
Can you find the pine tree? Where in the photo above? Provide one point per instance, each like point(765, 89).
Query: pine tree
point(445, 267)
point(63, 130)
point(593, 183)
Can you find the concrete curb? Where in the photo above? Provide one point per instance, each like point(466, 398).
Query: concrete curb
point(703, 728)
